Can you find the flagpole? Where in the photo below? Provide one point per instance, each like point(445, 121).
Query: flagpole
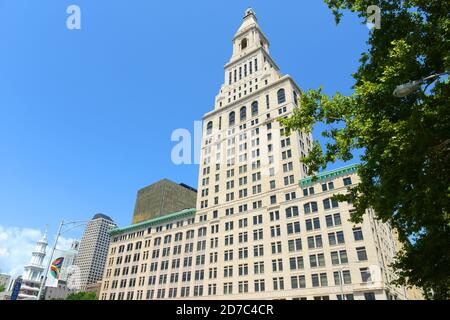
point(44, 280)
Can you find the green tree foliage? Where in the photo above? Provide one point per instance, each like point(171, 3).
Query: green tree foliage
point(405, 165)
point(2, 288)
point(82, 296)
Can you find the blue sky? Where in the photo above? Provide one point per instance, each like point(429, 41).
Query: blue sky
point(86, 115)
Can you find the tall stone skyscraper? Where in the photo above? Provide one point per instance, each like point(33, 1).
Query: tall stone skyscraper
point(276, 233)
point(261, 229)
point(246, 161)
point(93, 249)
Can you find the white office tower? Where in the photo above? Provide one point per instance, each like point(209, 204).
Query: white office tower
point(93, 250)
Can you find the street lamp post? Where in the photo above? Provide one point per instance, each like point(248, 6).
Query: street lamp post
point(341, 275)
point(407, 88)
point(75, 224)
point(341, 282)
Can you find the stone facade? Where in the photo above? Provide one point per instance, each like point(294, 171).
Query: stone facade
point(302, 248)
point(60, 292)
point(5, 279)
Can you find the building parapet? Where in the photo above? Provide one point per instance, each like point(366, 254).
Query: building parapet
point(156, 221)
point(332, 174)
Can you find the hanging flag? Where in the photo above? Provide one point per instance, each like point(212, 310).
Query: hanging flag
point(55, 268)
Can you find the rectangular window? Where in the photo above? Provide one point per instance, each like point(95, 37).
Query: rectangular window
point(260, 285)
point(258, 234)
point(357, 233)
point(369, 296)
point(298, 282)
point(296, 263)
point(315, 280)
point(361, 253)
point(259, 267)
point(278, 283)
point(295, 245)
point(258, 251)
point(365, 275)
point(293, 227)
point(243, 286)
point(347, 181)
point(274, 215)
point(315, 242)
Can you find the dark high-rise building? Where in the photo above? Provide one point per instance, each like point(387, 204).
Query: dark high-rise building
point(161, 198)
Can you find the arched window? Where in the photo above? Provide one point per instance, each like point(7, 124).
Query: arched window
point(243, 113)
point(281, 96)
point(330, 203)
point(254, 108)
point(231, 119)
point(209, 127)
point(244, 43)
point(310, 207)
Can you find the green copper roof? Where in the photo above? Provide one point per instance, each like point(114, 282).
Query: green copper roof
point(329, 174)
point(156, 221)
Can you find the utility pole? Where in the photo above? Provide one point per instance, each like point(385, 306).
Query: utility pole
point(44, 280)
point(75, 224)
